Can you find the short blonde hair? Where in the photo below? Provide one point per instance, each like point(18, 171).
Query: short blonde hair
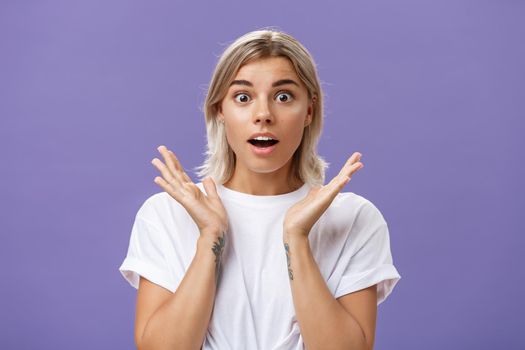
point(219, 164)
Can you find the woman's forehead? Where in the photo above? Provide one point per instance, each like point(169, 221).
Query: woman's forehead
point(264, 68)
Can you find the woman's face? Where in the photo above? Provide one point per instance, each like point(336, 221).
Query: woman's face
point(266, 96)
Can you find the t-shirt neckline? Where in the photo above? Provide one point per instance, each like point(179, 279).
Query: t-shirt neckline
point(247, 198)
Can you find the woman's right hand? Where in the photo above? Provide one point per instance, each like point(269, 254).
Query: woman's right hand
point(207, 211)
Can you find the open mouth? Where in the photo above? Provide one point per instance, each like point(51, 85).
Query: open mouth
point(262, 143)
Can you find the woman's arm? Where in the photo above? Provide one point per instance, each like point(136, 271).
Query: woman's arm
point(180, 320)
point(326, 322)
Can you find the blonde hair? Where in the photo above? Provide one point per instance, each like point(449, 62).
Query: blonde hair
point(219, 164)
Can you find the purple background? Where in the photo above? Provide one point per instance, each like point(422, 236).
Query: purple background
point(431, 92)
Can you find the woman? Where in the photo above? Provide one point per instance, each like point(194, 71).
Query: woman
point(259, 254)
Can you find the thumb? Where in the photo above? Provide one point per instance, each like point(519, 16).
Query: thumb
point(209, 186)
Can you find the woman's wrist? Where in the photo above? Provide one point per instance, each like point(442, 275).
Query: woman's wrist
point(211, 236)
point(291, 235)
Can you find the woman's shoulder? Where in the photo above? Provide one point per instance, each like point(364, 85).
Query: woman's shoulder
point(352, 205)
point(161, 204)
point(349, 200)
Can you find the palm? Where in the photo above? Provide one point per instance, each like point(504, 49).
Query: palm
point(207, 211)
point(304, 214)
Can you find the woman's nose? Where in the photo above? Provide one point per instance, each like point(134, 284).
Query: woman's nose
point(263, 113)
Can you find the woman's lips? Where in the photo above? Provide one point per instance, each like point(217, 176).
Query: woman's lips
point(262, 151)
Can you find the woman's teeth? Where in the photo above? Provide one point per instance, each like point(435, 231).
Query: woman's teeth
point(263, 143)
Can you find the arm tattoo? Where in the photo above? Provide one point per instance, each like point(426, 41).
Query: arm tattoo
point(287, 249)
point(217, 250)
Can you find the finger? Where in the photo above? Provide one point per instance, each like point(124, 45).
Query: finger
point(175, 160)
point(352, 165)
point(336, 185)
point(353, 169)
point(356, 156)
point(166, 173)
point(211, 189)
point(332, 189)
point(184, 176)
point(344, 176)
point(356, 167)
point(166, 187)
point(172, 165)
point(167, 158)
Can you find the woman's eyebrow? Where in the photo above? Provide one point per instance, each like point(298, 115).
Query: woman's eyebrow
point(277, 83)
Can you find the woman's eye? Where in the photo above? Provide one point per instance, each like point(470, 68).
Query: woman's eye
point(283, 97)
point(243, 99)
point(284, 94)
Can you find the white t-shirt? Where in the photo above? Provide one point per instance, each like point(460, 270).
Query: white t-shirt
point(253, 305)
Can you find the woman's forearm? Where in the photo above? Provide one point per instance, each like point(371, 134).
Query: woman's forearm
point(182, 321)
point(324, 323)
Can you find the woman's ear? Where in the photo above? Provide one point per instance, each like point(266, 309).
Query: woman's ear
point(308, 118)
point(220, 117)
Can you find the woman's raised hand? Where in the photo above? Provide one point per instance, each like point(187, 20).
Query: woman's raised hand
point(300, 218)
point(207, 211)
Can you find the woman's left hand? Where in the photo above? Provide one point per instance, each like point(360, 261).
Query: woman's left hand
point(300, 218)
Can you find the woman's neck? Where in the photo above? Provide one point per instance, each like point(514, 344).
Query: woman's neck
point(263, 184)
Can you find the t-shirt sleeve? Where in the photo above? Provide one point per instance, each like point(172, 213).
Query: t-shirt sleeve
point(146, 256)
point(371, 261)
